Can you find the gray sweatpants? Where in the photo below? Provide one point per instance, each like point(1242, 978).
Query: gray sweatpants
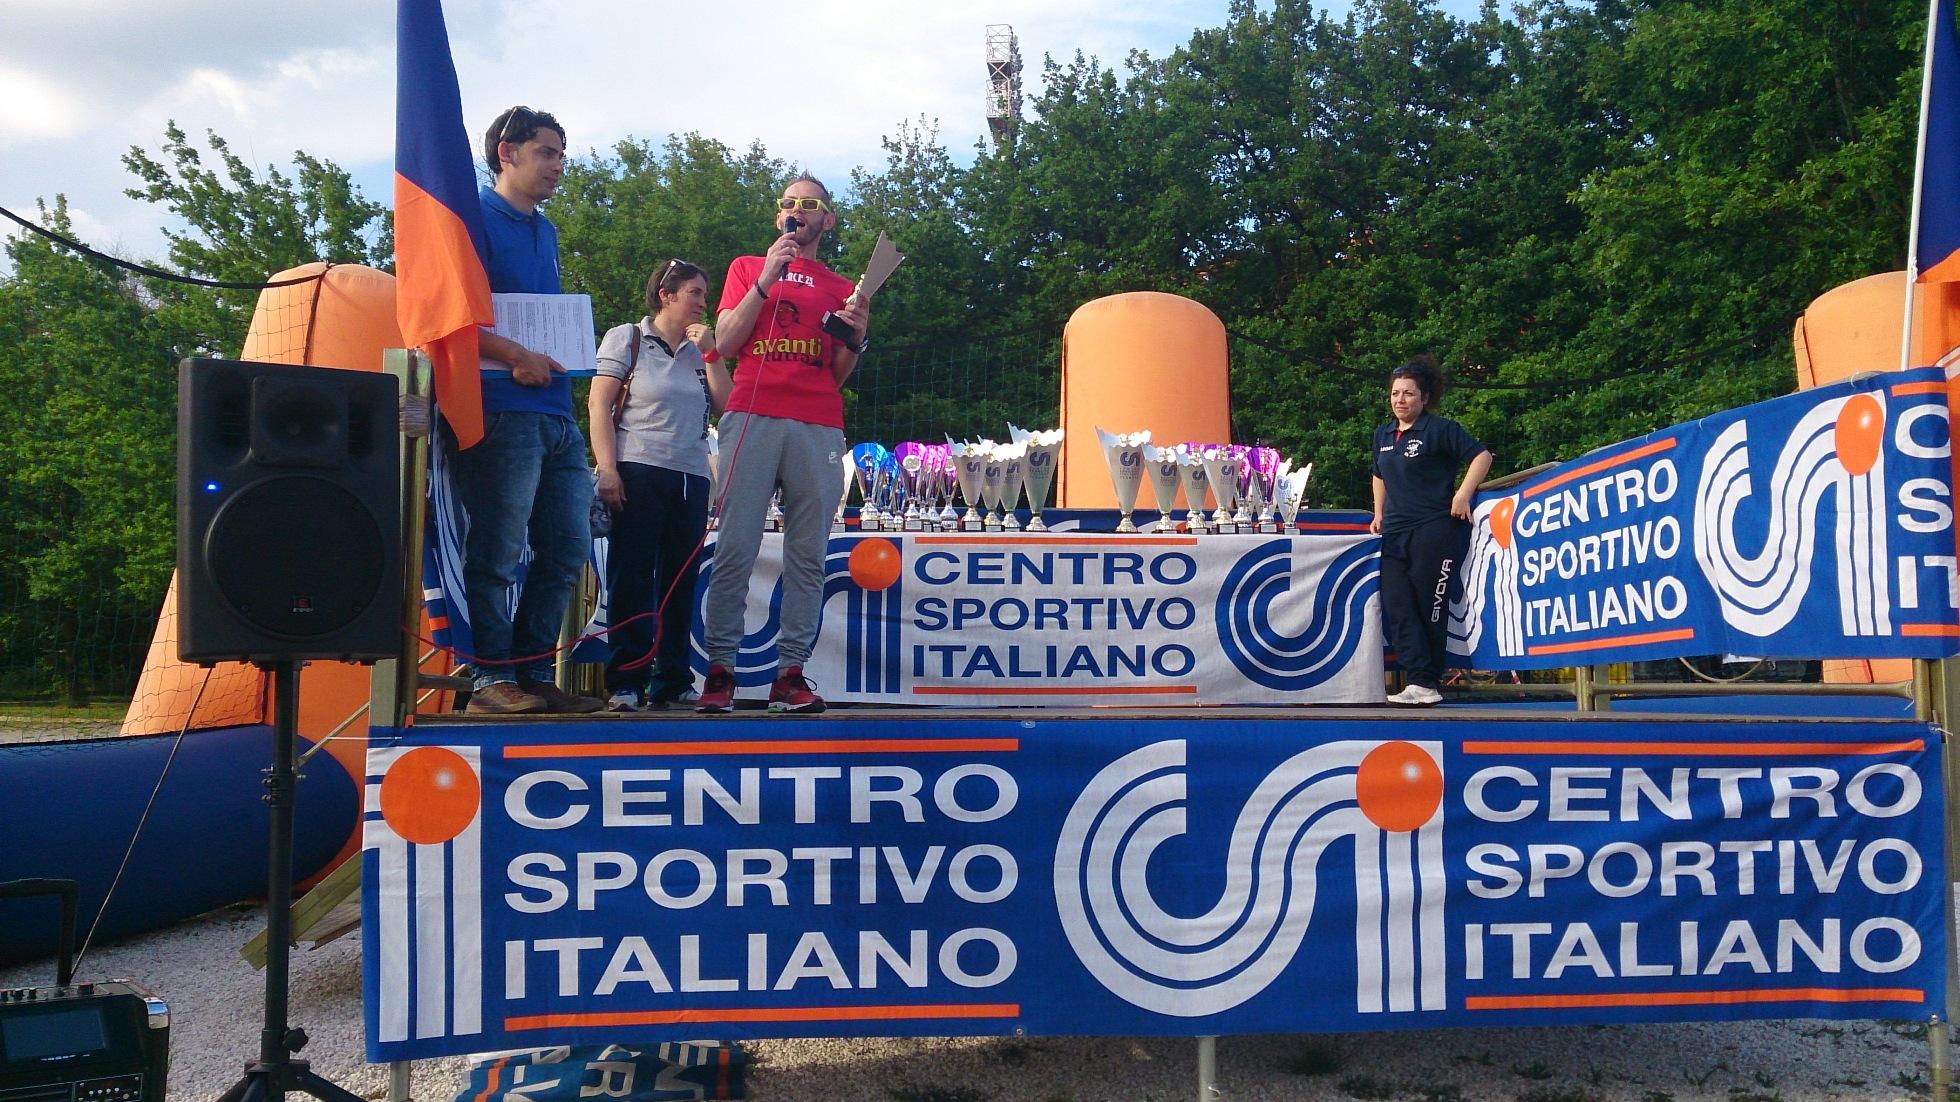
point(807, 462)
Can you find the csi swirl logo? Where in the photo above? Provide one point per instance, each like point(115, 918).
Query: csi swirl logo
point(1131, 458)
point(1379, 801)
point(1040, 459)
point(1253, 632)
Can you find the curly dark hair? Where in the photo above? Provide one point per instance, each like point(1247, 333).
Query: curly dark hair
point(517, 126)
point(1421, 370)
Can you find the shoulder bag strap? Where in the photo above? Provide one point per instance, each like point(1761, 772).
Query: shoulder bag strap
point(632, 365)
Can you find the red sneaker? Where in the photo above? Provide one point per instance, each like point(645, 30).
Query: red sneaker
point(792, 692)
point(718, 694)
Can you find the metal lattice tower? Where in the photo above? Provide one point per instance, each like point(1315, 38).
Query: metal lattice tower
point(1003, 82)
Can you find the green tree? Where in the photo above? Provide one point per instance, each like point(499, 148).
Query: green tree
point(620, 216)
point(87, 454)
point(243, 226)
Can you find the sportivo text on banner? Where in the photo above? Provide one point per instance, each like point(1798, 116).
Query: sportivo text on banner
point(1070, 618)
point(546, 884)
point(1817, 525)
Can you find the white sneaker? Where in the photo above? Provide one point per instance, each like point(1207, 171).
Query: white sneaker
point(1417, 696)
point(625, 700)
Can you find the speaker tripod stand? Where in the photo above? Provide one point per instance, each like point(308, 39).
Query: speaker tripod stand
point(275, 1072)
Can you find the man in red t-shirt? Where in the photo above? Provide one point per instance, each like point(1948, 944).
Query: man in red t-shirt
point(784, 427)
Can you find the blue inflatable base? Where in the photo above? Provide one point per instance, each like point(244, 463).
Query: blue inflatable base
point(69, 809)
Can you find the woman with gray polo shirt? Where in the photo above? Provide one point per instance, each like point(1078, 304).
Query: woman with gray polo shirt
point(650, 405)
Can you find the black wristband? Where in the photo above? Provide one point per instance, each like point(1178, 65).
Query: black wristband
point(760, 290)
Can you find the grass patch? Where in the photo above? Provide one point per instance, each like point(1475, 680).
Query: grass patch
point(1558, 1094)
point(23, 712)
point(1014, 1052)
point(928, 1092)
point(1537, 1069)
point(1367, 1088)
point(1313, 1057)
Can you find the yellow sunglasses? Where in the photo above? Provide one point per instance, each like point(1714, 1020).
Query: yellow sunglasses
point(804, 204)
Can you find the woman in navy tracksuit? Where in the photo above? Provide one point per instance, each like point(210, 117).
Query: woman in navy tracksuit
point(1425, 528)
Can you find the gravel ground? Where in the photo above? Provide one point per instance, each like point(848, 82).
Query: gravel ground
point(216, 1009)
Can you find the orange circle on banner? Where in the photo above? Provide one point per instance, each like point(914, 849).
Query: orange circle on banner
point(1860, 432)
point(1398, 786)
point(1500, 521)
point(430, 795)
point(875, 563)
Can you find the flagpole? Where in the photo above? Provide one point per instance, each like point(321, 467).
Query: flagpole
point(1918, 188)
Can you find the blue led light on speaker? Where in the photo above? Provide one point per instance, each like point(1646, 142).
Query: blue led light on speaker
point(211, 487)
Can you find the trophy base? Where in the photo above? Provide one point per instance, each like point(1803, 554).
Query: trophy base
point(837, 526)
point(1269, 527)
point(1035, 525)
point(914, 524)
point(1011, 524)
point(992, 527)
point(1226, 528)
point(771, 526)
point(1126, 524)
point(973, 525)
point(870, 524)
point(949, 525)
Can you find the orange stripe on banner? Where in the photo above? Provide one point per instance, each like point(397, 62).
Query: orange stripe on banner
point(1615, 641)
point(704, 1016)
point(1061, 541)
point(1601, 465)
point(766, 746)
point(1708, 749)
point(1920, 630)
point(1056, 690)
point(1699, 998)
point(1918, 388)
point(493, 1079)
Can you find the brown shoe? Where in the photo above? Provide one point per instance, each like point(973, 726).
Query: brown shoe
point(560, 702)
point(504, 698)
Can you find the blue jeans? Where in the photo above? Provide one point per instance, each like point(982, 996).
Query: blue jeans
point(527, 480)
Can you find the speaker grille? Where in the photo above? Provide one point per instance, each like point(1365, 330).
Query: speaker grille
point(296, 556)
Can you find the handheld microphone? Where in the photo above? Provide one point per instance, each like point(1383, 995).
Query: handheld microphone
point(792, 224)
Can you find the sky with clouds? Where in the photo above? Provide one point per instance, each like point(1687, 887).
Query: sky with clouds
point(818, 82)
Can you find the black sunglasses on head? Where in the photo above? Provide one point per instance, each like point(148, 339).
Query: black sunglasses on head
point(504, 134)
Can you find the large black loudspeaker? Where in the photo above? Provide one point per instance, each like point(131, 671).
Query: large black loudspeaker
point(288, 513)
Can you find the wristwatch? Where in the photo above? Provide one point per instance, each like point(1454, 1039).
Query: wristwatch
point(863, 345)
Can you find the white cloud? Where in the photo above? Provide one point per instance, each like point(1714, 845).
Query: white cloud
point(818, 82)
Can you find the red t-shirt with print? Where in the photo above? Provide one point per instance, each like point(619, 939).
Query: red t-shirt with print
point(784, 369)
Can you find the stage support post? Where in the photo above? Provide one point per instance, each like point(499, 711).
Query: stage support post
point(1207, 1069)
point(393, 686)
point(1936, 700)
point(1584, 681)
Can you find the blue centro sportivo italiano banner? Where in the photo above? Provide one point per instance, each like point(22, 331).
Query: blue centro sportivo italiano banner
point(1073, 618)
point(538, 884)
point(1817, 525)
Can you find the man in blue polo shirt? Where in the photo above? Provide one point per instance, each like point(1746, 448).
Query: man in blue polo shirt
point(527, 481)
